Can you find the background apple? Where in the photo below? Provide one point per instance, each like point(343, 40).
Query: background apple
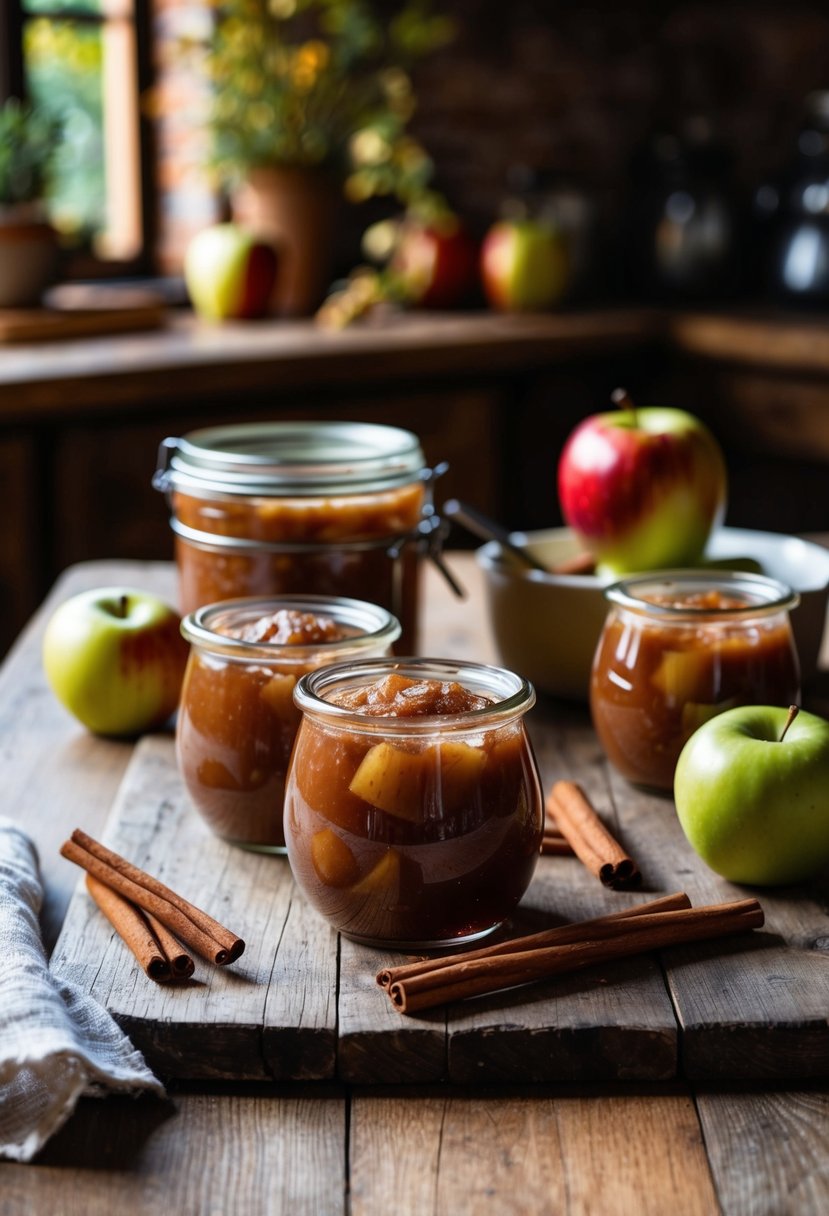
point(229, 273)
point(753, 803)
point(115, 658)
point(435, 265)
point(642, 488)
point(523, 266)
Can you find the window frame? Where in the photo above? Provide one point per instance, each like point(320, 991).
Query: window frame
point(85, 264)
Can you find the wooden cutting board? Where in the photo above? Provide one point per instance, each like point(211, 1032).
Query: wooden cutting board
point(301, 1004)
point(76, 310)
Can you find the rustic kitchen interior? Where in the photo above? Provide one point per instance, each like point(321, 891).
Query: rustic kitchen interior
point(680, 153)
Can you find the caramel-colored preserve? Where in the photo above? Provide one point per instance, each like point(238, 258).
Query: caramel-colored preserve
point(400, 837)
point(237, 720)
point(340, 546)
point(656, 680)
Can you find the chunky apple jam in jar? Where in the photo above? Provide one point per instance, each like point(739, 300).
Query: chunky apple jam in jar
point(413, 809)
point(678, 648)
point(296, 508)
point(237, 719)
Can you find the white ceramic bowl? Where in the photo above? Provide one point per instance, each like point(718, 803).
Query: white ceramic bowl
point(546, 626)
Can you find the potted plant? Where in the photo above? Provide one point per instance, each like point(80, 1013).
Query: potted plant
point(28, 243)
point(311, 102)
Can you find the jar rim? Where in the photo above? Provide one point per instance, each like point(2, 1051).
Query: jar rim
point(290, 458)
point(762, 595)
point(377, 626)
point(482, 678)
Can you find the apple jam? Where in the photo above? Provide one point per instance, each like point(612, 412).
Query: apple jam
point(337, 509)
point(678, 649)
point(237, 720)
point(413, 809)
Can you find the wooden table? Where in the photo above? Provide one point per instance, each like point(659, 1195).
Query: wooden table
point(334, 1147)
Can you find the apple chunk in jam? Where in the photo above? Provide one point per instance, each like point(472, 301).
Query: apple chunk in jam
point(675, 652)
point(412, 807)
point(238, 720)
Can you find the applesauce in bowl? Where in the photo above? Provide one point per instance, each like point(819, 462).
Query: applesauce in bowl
point(413, 809)
point(237, 720)
point(678, 648)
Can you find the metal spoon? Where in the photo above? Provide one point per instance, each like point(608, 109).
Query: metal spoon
point(480, 525)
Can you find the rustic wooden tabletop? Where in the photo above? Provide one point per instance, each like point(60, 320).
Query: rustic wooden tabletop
point(696, 1082)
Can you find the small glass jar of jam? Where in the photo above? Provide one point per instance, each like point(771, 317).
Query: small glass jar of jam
point(678, 648)
point(237, 719)
point(297, 508)
point(413, 809)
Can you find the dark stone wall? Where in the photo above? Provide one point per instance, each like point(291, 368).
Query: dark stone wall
point(572, 88)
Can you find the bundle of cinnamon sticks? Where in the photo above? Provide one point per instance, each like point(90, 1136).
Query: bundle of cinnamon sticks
point(572, 826)
point(668, 921)
point(152, 920)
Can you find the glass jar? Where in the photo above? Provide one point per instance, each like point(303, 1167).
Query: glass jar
point(414, 831)
point(678, 648)
point(296, 508)
point(237, 719)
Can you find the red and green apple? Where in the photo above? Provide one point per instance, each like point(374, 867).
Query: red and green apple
point(115, 658)
point(230, 273)
point(642, 488)
point(752, 794)
point(435, 265)
point(524, 266)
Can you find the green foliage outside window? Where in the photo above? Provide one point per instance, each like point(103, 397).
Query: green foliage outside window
point(27, 142)
point(322, 83)
point(63, 71)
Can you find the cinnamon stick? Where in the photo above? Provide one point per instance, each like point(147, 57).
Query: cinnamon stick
point(181, 964)
point(624, 937)
point(558, 936)
point(131, 926)
point(189, 924)
point(556, 845)
point(592, 843)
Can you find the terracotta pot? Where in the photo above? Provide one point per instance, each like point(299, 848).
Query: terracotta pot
point(297, 210)
point(28, 255)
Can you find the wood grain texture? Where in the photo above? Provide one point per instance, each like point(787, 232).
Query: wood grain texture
point(270, 1014)
point(54, 772)
point(768, 1151)
point(455, 1154)
point(194, 1153)
point(187, 360)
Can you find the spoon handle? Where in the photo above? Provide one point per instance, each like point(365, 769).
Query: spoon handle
point(480, 525)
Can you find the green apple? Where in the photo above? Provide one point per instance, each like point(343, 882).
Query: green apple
point(753, 796)
point(115, 658)
point(230, 274)
point(524, 266)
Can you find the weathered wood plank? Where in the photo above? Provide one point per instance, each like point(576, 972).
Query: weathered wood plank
point(271, 1014)
point(768, 1151)
point(748, 1009)
point(270, 1151)
point(609, 1022)
point(56, 775)
point(455, 1154)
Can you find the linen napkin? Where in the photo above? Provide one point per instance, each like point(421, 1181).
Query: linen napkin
point(56, 1042)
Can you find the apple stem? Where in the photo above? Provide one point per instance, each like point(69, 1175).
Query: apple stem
point(622, 398)
point(792, 714)
point(121, 606)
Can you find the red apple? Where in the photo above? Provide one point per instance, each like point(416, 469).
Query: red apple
point(523, 266)
point(230, 274)
point(642, 488)
point(435, 265)
point(115, 658)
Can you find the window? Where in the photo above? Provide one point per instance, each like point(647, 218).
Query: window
point(86, 62)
